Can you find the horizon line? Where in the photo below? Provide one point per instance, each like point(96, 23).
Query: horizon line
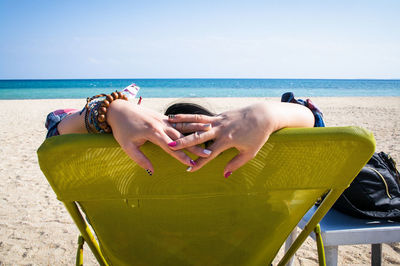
point(38, 79)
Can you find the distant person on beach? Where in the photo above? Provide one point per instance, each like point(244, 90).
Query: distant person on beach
point(246, 129)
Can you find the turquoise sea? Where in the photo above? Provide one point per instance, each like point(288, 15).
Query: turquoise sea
point(178, 88)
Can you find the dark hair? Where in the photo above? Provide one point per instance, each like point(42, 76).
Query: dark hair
point(187, 108)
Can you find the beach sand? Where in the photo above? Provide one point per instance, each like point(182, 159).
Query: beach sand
point(35, 228)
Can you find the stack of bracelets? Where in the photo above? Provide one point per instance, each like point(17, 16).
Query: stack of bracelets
point(96, 111)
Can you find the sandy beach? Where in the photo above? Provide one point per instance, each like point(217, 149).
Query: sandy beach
point(35, 228)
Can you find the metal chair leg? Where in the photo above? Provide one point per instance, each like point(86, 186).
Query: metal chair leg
point(320, 246)
point(79, 253)
point(289, 242)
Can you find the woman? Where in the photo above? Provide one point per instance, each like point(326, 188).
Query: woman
point(246, 129)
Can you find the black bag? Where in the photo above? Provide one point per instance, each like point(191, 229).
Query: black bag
point(375, 192)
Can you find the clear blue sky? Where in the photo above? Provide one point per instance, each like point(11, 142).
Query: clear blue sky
point(199, 39)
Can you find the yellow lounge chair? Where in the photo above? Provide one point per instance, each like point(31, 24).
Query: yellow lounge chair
point(180, 218)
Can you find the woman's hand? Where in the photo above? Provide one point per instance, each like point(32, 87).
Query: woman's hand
point(133, 125)
point(246, 129)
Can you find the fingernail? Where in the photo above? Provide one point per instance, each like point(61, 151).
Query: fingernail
point(189, 169)
point(227, 174)
point(207, 125)
point(171, 116)
point(174, 125)
point(192, 162)
point(208, 152)
point(172, 144)
point(149, 172)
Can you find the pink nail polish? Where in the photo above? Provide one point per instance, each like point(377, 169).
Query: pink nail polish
point(227, 174)
point(192, 162)
point(172, 144)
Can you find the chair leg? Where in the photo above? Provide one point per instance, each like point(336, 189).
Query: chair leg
point(376, 254)
point(79, 253)
point(331, 254)
point(320, 246)
point(289, 242)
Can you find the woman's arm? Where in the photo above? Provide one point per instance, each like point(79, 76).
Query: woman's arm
point(73, 123)
point(132, 126)
point(246, 129)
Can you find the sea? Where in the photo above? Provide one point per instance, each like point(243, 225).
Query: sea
point(182, 88)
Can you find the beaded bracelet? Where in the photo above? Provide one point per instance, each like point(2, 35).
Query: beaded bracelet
point(96, 111)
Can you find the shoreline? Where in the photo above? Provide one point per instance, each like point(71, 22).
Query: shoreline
point(36, 229)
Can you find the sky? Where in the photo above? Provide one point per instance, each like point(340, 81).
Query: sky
point(199, 39)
